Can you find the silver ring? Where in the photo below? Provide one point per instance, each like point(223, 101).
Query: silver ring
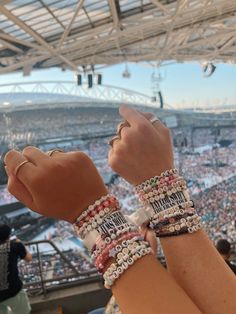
point(19, 166)
point(116, 137)
point(153, 119)
point(120, 126)
point(51, 152)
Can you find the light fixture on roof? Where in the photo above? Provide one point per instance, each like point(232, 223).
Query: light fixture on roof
point(126, 73)
point(208, 68)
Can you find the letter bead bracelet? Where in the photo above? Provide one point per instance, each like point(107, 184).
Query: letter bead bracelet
point(114, 242)
point(167, 205)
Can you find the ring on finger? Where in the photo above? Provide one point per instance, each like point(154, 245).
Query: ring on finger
point(19, 166)
point(154, 119)
point(115, 138)
point(51, 152)
point(120, 126)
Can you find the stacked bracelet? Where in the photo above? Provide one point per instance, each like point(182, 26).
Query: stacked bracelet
point(112, 239)
point(168, 205)
point(126, 260)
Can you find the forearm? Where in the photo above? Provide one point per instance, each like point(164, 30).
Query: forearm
point(146, 287)
point(143, 278)
point(199, 269)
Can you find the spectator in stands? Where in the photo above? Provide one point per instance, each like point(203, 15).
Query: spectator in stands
point(224, 248)
point(13, 298)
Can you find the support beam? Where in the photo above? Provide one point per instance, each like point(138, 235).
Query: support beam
point(160, 6)
point(68, 29)
point(114, 12)
point(19, 41)
point(52, 14)
point(36, 36)
point(21, 64)
point(10, 46)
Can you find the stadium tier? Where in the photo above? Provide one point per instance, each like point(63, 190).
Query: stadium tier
point(204, 150)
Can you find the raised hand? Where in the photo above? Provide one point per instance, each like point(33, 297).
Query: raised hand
point(59, 186)
point(144, 149)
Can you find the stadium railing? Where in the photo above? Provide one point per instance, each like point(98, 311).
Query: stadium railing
point(39, 279)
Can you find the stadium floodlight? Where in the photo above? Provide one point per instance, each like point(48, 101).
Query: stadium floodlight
point(99, 79)
point(208, 69)
point(90, 80)
point(79, 79)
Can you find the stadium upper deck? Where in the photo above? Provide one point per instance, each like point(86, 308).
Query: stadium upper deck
point(80, 34)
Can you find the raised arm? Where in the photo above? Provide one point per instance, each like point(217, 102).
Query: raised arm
point(63, 186)
point(144, 151)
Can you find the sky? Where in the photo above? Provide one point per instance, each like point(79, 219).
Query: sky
point(182, 85)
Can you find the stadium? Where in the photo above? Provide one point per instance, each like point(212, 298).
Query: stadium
point(66, 115)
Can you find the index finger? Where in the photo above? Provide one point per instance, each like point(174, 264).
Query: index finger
point(132, 115)
point(149, 115)
point(13, 159)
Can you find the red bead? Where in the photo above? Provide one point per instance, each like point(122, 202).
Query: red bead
point(99, 208)
point(80, 224)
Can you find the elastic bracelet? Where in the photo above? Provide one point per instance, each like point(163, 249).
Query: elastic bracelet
point(170, 220)
point(95, 221)
point(115, 271)
point(101, 242)
point(156, 190)
point(171, 174)
point(182, 231)
point(103, 259)
point(97, 250)
point(168, 205)
point(103, 201)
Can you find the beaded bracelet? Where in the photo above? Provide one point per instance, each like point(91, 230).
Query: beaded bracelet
point(100, 248)
point(176, 226)
point(96, 211)
point(173, 173)
point(111, 237)
point(95, 221)
point(156, 223)
point(154, 190)
point(114, 251)
point(115, 271)
point(168, 204)
point(101, 242)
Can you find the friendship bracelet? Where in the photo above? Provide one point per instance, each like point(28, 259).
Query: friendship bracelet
point(158, 179)
point(167, 204)
point(115, 271)
point(115, 252)
point(113, 240)
point(103, 244)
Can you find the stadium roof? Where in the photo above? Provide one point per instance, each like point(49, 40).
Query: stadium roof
point(80, 34)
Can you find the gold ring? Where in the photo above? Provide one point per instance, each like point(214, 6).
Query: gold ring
point(116, 137)
point(51, 152)
point(153, 120)
point(19, 166)
point(122, 125)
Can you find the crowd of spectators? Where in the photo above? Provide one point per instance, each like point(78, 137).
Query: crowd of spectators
point(33, 126)
point(54, 268)
point(206, 158)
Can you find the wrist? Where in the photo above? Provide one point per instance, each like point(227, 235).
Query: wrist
point(93, 195)
point(151, 172)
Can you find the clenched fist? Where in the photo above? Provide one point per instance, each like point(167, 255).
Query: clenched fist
point(60, 186)
point(144, 149)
